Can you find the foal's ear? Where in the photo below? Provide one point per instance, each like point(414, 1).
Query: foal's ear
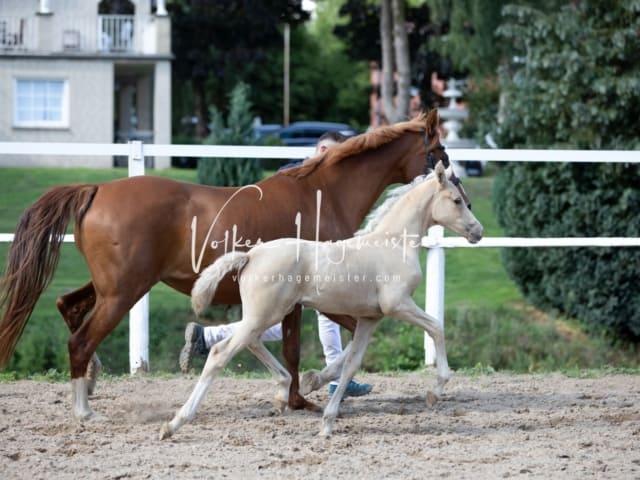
point(441, 173)
point(431, 122)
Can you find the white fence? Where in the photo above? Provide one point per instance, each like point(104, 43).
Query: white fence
point(435, 240)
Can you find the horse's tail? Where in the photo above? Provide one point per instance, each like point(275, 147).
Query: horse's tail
point(205, 287)
point(33, 257)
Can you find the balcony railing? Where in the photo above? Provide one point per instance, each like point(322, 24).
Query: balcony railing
point(16, 34)
point(116, 33)
point(67, 33)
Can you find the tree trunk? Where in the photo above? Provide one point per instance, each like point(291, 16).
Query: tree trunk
point(395, 60)
point(200, 107)
point(388, 63)
point(401, 44)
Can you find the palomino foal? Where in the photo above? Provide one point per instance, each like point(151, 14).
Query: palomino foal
point(367, 276)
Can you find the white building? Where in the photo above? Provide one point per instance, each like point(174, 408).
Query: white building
point(84, 71)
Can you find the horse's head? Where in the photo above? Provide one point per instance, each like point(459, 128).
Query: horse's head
point(427, 156)
point(426, 150)
point(449, 208)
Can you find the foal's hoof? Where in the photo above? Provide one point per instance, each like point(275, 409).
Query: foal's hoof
point(165, 432)
point(84, 414)
point(431, 399)
point(310, 382)
point(325, 431)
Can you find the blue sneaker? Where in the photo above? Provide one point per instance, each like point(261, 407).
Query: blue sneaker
point(354, 389)
point(193, 343)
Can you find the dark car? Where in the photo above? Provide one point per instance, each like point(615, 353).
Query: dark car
point(304, 134)
point(261, 132)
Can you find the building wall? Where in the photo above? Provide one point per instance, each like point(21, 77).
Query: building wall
point(91, 71)
point(90, 108)
point(162, 110)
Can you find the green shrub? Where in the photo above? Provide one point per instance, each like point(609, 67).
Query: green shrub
point(238, 130)
point(574, 90)
point(504, 338)
point(596, 285)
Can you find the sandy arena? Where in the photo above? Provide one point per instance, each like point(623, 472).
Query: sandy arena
point(496, 426)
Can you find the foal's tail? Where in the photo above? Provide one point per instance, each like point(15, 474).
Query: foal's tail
point(205, 287)
point(33, 257)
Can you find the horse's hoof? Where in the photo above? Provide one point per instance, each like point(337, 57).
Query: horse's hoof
point(165, 432)
point(94, 368)
point(431, 399)
point(298, 402)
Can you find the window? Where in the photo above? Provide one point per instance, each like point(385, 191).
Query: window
point(41, 103)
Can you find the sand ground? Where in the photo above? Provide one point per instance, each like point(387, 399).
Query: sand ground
point(493, 426)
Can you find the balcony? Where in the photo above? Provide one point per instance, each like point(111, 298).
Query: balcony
point(98, 34)
point(116, 33)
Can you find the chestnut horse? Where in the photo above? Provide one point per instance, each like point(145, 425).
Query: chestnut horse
point(136, 232)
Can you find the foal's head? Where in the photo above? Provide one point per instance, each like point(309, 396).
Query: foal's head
point(450, 210)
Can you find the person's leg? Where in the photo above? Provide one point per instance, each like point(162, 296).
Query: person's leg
point(199, 339)
point(329, 333)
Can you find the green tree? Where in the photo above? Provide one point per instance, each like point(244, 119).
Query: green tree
point(467, 38)
point(216, 42)
point(468, 34)
point(237, 130)
point(359, 29)
point(575, 84)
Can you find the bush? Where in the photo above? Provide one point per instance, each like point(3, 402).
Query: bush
point(573, 91)
point(237, 131)
point(596, 285)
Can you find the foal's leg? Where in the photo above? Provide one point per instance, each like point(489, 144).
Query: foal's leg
point(314, 379)
point(361, 338)
point(219, 356)
point(280, 374)
point(73, 307)
point(408, 311)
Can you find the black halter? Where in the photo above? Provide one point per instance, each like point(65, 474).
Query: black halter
point(431, 162)
point(431, 159)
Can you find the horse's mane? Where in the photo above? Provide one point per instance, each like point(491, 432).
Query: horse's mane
point(374, 218)
point(358, 144)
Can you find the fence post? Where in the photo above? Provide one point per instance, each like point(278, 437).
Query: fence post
point(139, 313)
point(434, 295)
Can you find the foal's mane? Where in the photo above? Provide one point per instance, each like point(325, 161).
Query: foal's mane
point(374, 218)
point(358, 144)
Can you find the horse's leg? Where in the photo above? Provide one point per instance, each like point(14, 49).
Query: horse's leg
point(411, 313)
point(353, 360)
point(291, 353)
point(83, 343)
point(73, 307)
point(219, 356)
point(280, 374)
point(314, 379)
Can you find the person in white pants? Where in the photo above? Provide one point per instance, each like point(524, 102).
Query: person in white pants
point(199, 339)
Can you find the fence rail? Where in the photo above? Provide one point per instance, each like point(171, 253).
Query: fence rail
point(238, 151)
point(435, 241)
